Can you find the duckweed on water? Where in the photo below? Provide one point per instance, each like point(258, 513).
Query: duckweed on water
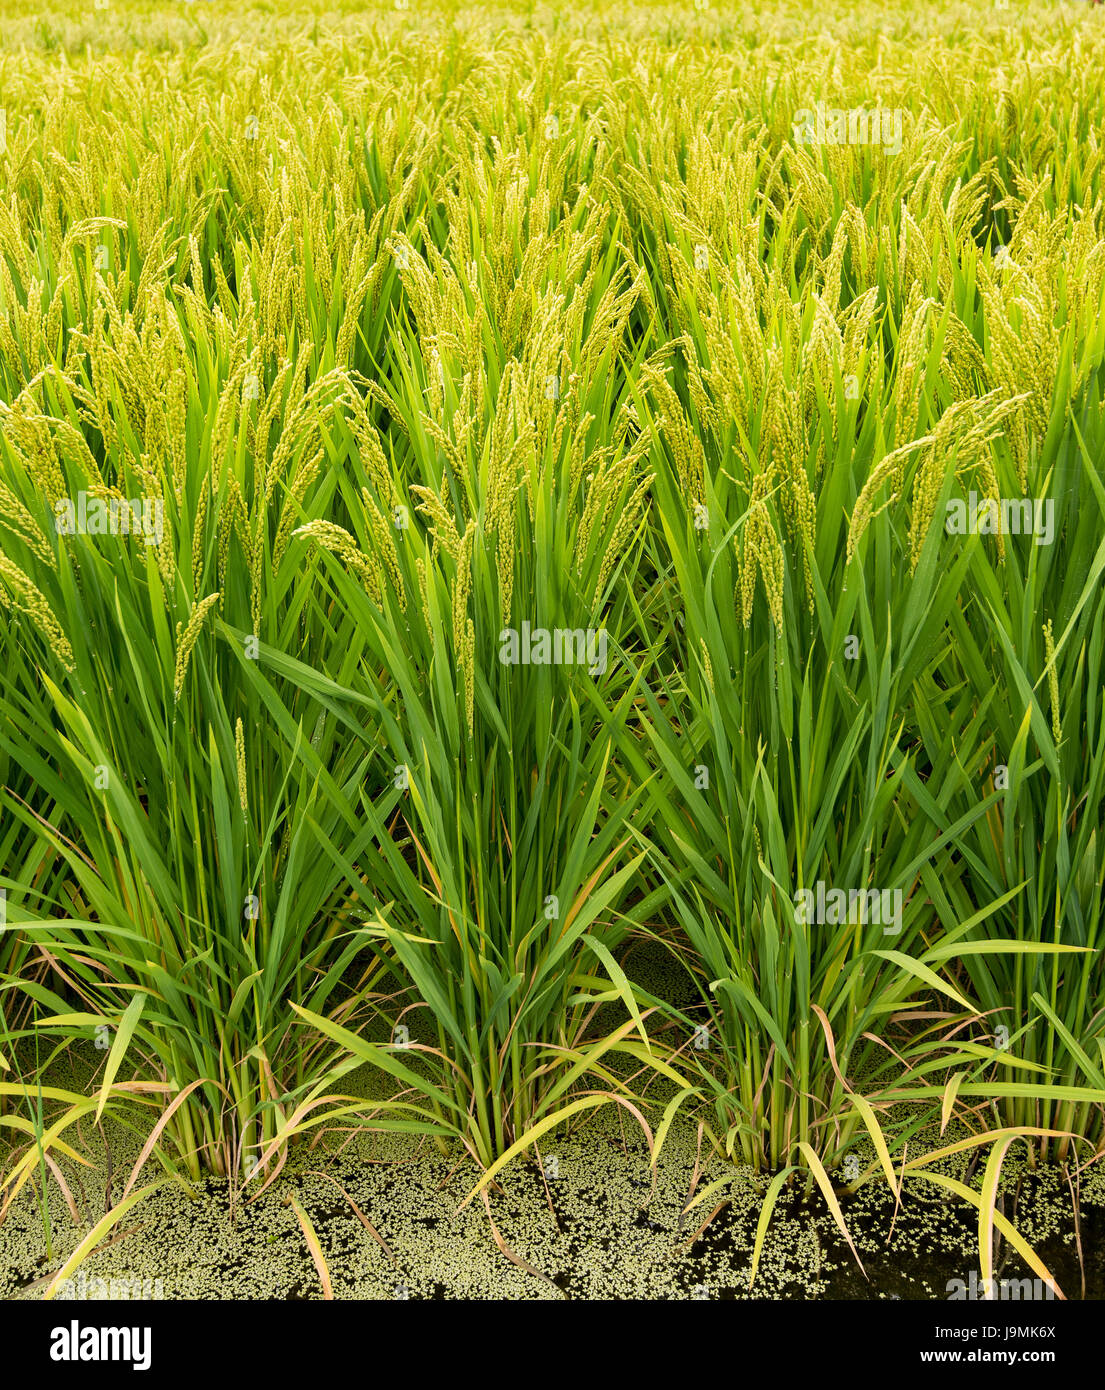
point(590, 1224)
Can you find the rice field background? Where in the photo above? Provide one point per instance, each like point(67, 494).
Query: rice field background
point(552, 622)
